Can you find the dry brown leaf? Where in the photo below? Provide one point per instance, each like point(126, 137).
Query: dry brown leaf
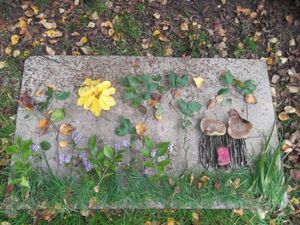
point(50, 51)
point(35, 9)
point(289, 109)
point(168, 51)
point(66, 129)
point(16, 53)
point(162, 37)
point(184, 26)
point(43, 123)
point(63, 144)
point(158, 117)
point(204, 179)
point(250, 99)
point(237, 182)
point(152, 102)
point(289, 19)
point(140, 129)
point(26, 101)
point(245, 11)
point(91, 25)
point(293, 89)
point(211, 104)
point(96, 189)
point(283, 116)
point(156, 15)
point(3, 64)
point(239, 212)
point(48, 25)
point(195, 218)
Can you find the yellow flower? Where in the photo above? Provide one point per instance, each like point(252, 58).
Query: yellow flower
point(94, 95)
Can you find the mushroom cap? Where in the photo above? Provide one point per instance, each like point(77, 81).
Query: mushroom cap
point(238, 127)
point(212, 127)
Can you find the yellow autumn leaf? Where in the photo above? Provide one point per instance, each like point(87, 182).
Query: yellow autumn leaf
point(35, 9)
point(53, 33)
point(283, 116)
point(140, 129)
point(83, 40)
point(156, 33)
point(184, 26)
point(239, 212)
point(63, 144)
point(8, 50)
point(3, 64)
point(66, 129)
point(199, 81)
point(43, 123)
point(14, 39)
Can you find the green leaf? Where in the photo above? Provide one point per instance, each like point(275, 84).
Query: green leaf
point(160, 169)
point(49, 93)
point(149, 142)
point(182, 104)
point(93, 145)
point(164, 163)
point(108, 152)
point(223, 91)
point(45, 145)
point(145, 152)
point(227, 77)
point(172, 79)
point(157, 78)
point(184, 81)
point(57, 115)
point(125, 127)
point(12, 150)
point(186, 123)
point(162, 148)
point(24, 182)
point(194, 106)
point(62, 95)
point(148, 164)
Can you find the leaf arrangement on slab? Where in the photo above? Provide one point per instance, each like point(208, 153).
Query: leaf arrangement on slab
point(138, 89)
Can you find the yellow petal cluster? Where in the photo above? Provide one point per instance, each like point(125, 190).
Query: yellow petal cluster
point(94, 95)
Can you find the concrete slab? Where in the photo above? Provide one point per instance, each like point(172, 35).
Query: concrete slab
point(67, 73)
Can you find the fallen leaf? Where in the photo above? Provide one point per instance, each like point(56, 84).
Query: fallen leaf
point(293, 89)
point(204, 179)
point(14, 39)
point(22, 24)
point(38, 93)
point(199, 81)
point(96, 189)
point(35, 9)
point(53, 33)
point(63, 144)
point(76, 2)
point(43, 123)
point(140, 129)
point(8, 50)
point(237, 182)
point(200, 185)
point(211, 104)
point(162, 37)
point(250, 99)
point(219, 98)
point(50, 51)
point(195, 218)
point(217, 185)
point(245, 11)
point(82, 41)
point(152, 102)
point(168, 51)
point(156, 33)
point(192, 178)
point(289, 19)
point(175, 93)
point(156, 15)
point(3, 64)
point(95, 16)
point(66, 129)
point(91, 25)
point(92, 202)
point(16, 53)
point(283, 116)
point(295, 175)
point(48, 25)
point(289, 109)
point(26, 101)
point(184, 26)
point(84, 212)
point(239, 212)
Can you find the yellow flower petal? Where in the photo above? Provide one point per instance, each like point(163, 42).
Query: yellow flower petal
point(108, 100)
point(89, 102)
point(109, 91)
point(84, 91)
point(87, 82)
point(104, 85)
point(82, 100)
point(96, 107)
point(103, 104)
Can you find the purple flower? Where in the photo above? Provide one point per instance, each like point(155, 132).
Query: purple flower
point(87, 165)
point(76, 137)
point(161, 158)
point(122, 144)
point(34, 148)
point(146, 171)
point(64, 158)
point(171, 147)
point(83, 155)
point(153, 153)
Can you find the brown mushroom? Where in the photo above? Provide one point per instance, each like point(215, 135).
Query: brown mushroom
point(238, 127)
point(212, 127)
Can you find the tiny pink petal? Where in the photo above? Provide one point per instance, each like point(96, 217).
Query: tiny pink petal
point(223, 156)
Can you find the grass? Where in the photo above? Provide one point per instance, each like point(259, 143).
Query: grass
point(96, 6)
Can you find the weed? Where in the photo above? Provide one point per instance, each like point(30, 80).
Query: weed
point(97, 6)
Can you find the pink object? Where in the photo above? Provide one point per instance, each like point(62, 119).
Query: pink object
point(223, 156)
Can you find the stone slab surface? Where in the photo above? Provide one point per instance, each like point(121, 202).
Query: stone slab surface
point(67, 73)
